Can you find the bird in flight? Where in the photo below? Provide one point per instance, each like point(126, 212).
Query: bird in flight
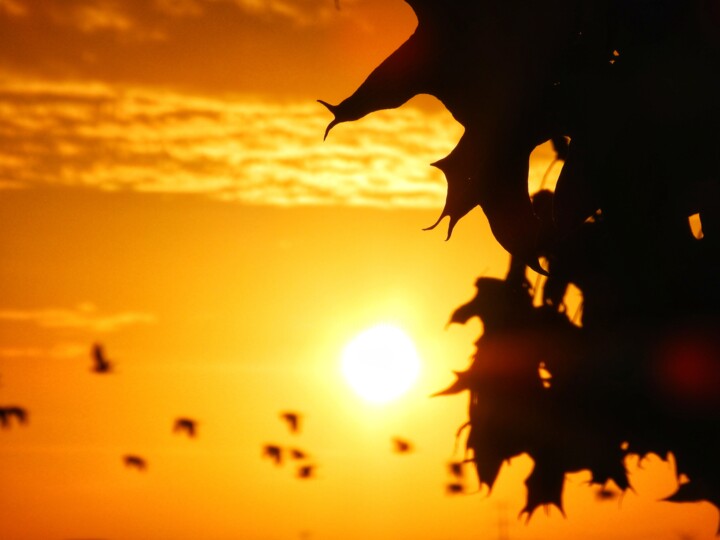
point(101, 362)
point(604, 494)
point(187, 425)
point(273, 452)
point(6, 413)
point(402, 446)
point(297, 454)
point(306, 471)
point(456, 469)
point(293, 421)
point(135, 461)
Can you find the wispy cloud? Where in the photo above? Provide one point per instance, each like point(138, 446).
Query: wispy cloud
point(99, 17)
point(303, 12)
point(179, 8)
point(82, 317)
point(237, 149)
point(241, 149)
point(104, 16)
point(13, 8)
point(59, 351)
point(278, 47)
point(138, 18)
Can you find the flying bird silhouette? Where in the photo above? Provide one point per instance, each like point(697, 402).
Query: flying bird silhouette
point(456, 469)
point(101, 362)
point(402, 446)
point(273, 452)
point(306, 471)
point(186, 424)
point(6, 413)
point(293, 421)
point(131, 460)
point(604, 494)
point(18, 412)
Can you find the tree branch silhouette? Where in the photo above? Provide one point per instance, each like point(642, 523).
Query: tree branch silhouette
point(627, 91)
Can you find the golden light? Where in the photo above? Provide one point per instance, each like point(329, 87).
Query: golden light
point(381, 363)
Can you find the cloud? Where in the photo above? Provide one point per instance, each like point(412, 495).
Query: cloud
point(179, 8)
point(240, 149)
point(302, 12)
point(59, 351)
point(138, 18)
point(269, 46)
point(13, 8)
point(99, 17)
point(82, 317)
point(299, 12)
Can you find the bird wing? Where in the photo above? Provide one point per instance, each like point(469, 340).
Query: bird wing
point(401, 445)
point(456, 469)
point(135, 461)
point(101, 361)
point(293, 420)
point(185, 424)
point(19, 413)
point(306, 471)
point(273, 452)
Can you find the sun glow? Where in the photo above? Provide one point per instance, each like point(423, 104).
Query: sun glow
point(380, 363)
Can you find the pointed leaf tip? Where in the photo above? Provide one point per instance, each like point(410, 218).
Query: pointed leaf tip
point(431, 227)
point(329, 107)
point(329, 127)
point(439, 164)
point(335, 121)
point(451, 225)
point(534, 264)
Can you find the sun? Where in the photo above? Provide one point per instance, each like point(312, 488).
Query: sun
point(381, 363)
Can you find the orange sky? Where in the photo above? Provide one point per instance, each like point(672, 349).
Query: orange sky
point(165, 190)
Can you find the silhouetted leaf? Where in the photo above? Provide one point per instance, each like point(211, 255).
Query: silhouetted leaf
point(628, 94)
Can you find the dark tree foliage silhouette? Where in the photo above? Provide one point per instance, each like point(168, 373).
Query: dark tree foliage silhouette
point(628, 91)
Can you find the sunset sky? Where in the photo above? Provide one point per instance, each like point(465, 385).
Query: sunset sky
point(165, 191)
